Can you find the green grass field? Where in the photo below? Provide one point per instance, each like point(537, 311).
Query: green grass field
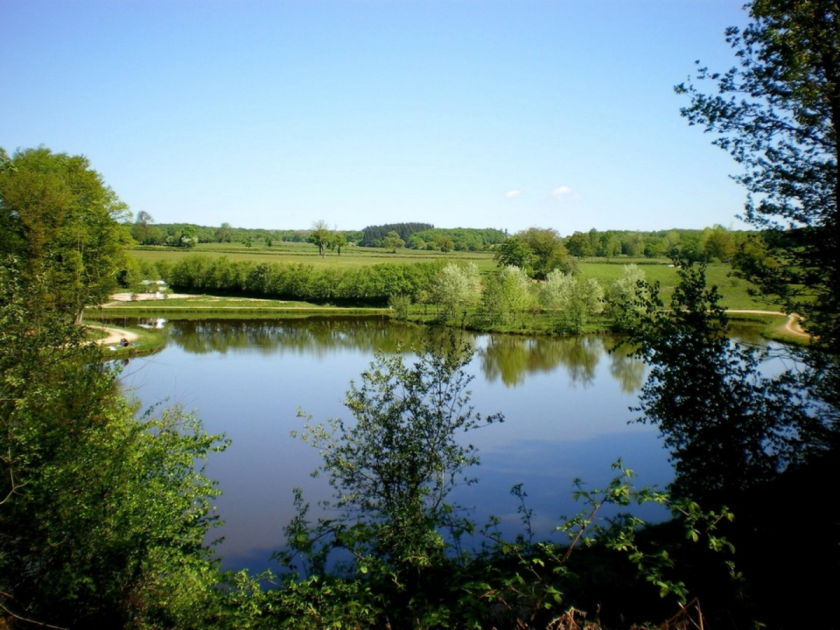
point(735, 292)
point(308, 254)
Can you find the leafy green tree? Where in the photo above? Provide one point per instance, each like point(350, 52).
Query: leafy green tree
point(777, 114)
point(575, 301)
point(719, 244)
point(513, 252)
point(62, 223)
point(753, 425)
point(187, 237)
point(506, 295)
point(143, 231)
point(537, 251)
point(338, 242)
point(103, 514)
point(320, 235)
point(416, 242)
point(579, 245)
point(224, 234)
point(393, 468)
point(626, 298)
point(445, 244)
point(455, 288)
point(393, 241)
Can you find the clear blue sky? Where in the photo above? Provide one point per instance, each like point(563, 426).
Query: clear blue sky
point(460, 113)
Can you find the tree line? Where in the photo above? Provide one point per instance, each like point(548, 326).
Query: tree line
point(712, 243)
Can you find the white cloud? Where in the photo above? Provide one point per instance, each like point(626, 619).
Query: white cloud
point(512, 194)
point(564, 193)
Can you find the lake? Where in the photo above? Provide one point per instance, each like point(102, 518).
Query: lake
point(565, 401)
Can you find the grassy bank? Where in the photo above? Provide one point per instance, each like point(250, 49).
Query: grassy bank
point(768, 325)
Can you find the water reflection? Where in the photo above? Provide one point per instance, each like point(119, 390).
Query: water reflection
point(319, 335)
point(566, 404)
point(505, 358)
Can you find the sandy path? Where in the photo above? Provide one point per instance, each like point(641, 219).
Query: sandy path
point(115, 335)
point(791, 324)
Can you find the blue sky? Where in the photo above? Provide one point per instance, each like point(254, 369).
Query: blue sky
point(461, 113)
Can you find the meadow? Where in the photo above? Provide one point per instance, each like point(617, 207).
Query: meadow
point(735, 291)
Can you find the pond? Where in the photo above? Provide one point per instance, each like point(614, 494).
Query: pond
point(566, 404)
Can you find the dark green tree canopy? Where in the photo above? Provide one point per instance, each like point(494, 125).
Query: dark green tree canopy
point(777, 113)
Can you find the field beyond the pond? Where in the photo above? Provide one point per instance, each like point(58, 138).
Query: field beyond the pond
point(735, 291)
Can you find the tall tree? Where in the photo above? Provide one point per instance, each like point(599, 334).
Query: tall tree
point(777, 112)
point(536, 250)
point(320, 236)
point(225, 233)
point(393, 241)
point(104, 513)
point(62, 223)
point(754, 425)
point(506, 295)
point(143, 230)
point(393, 469)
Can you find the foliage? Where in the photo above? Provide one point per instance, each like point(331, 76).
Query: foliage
point(103, 515)
point(454, 288)
point(728, 427)
point(225, 233)
point(513, 252)
point(459, 239)
point(506, 295)
point(537, 251)
point(719, 244)
point(338, 242)
point(143, 231)
point(393, 469)
point(623, 298)
point(372, 284)
point(579, 245)
point(401, 305)
point(60, 220)
point(187, 237)
point(373, 235)
point(393, 241)
point(574, 300)
point(320, 236)
point(534, 581)
point(777, 114)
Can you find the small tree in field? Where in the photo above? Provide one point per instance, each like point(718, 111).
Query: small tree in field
point(320, 236)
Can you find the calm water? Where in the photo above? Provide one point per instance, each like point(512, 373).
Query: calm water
point(565, 401)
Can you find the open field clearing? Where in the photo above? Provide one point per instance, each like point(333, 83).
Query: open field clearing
point(735, 291)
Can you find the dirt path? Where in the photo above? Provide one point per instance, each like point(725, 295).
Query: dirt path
point(118, 298)
point(791, 326)
point(115, 335)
